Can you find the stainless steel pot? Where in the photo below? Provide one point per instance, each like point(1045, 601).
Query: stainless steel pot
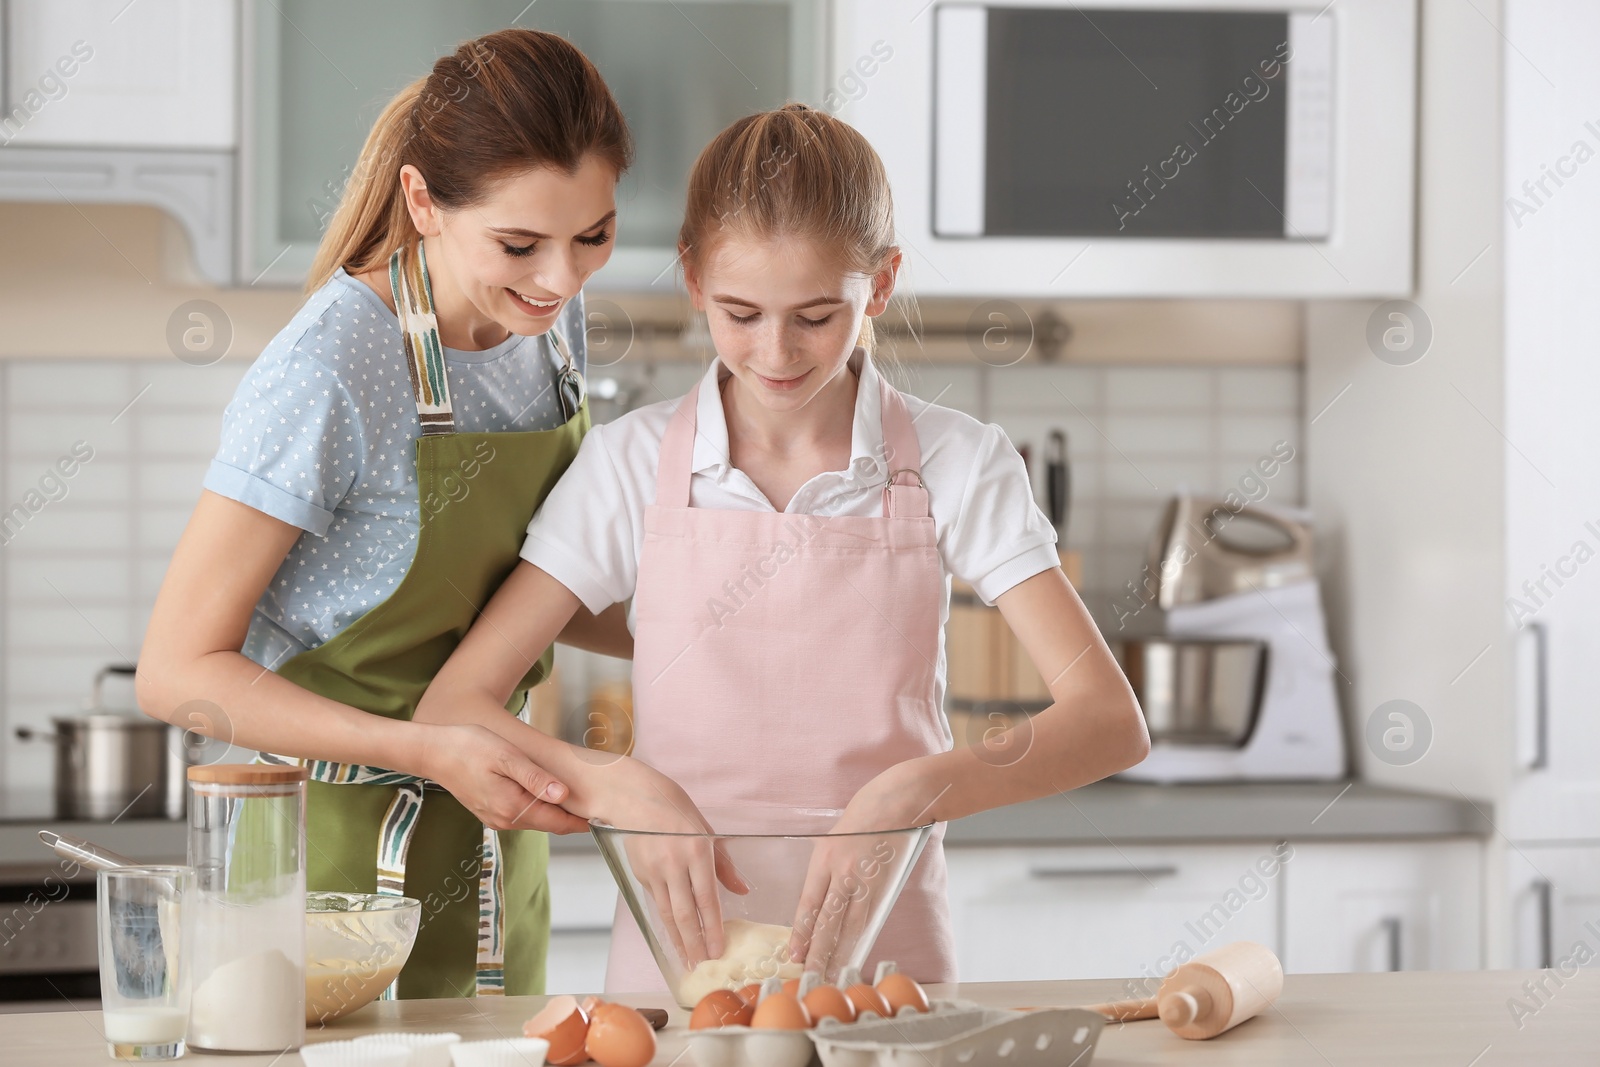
point(111, 764)
point(1196, 691)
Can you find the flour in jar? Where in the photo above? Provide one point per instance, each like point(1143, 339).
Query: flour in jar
point(751, 952)
point(254, 1003)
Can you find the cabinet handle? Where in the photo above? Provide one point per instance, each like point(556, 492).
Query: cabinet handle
point(1546, 892)
point(1391, 929)
point(581, 929)
point(5, 59)
point(1541, 697)
point(1165, 871)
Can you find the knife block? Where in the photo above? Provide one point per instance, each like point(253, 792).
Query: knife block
point(986, 662)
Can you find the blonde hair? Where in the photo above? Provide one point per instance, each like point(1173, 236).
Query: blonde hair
point(793, 172)
point(507, 100)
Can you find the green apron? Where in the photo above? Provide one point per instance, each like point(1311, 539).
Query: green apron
point(486, 909)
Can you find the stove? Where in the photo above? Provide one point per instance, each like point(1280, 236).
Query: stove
point(47, 920)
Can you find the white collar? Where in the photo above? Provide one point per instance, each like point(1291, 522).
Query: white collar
point(866, 426)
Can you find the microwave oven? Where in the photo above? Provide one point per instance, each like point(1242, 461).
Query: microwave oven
point(1146, 147)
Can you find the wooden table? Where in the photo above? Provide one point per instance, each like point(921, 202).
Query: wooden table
point(1444, 1018)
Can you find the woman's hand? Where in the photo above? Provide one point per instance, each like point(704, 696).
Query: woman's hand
point(680, 874)
point(496, 782)
point(851, 873)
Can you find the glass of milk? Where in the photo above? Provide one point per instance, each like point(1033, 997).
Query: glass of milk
point(146, 927)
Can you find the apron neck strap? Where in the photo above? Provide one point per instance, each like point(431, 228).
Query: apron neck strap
point(419, 327)
point(902, 455)
point(676, 465)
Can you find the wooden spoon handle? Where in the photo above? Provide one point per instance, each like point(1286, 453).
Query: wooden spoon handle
point(1124, 1011)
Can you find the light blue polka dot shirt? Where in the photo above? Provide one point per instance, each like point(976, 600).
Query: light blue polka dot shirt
point(320, 435)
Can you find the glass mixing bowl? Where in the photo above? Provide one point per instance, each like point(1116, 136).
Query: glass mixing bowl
point(356, 944)
point(775, 851)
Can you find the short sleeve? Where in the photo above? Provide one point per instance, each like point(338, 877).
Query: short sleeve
point(582, 535)
point(1000, 537)
point(290, 440)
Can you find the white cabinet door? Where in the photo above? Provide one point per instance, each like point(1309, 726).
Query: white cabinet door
point(116, 73)
point(582, 896)
point(1027, 914)
point(1552, 389)
point(1555, 906)
point(1384, 907)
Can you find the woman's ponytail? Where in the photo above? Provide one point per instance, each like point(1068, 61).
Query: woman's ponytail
point(371, 221)
point(500, 103)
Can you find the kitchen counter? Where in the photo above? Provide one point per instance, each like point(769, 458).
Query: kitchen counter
point(1120, 812)
point(1137, 813)
point(1444, 1018)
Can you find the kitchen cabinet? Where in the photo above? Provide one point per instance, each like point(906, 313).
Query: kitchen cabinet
point(582, 895)
point(680, 69)
point(1383, 907)
point(1555, 906)
point(1552, 386)
point(109, 73)
point(1455, 436)
point(1042, 913)
point(111, 102)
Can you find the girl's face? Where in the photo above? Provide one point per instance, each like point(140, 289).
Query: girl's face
point(784, 319)
point(517, 256)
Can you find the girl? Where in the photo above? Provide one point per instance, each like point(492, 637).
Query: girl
point(378, 466)
point(787, 532)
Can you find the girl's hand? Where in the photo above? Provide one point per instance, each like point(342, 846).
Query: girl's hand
point(849, 875)
point(680, 874)
point(496, 782)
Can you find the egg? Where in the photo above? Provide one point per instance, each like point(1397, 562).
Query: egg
point(866, 999)
point(829, 1002)
point(564, 1024)
point(721, 1007)
point(620, 1037)
point(751, 993)
point(781, 1011)
point(792, 987)
point(900, 991)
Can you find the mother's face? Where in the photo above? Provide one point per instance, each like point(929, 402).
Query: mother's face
point(528, 247)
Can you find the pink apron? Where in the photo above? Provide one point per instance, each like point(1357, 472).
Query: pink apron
point(784, 659)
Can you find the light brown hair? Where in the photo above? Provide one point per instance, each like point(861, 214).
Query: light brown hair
point(793, 172)
point(507, 100)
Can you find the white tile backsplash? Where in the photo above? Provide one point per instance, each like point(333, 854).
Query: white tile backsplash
point(78, 578)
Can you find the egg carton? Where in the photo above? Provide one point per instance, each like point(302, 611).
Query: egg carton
point(952, 1033)
point(962, 1034)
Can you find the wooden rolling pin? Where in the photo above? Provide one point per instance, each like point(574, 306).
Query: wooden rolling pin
point(1210, 994)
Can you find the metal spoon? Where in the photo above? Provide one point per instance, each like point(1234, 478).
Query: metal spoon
point(83, 852)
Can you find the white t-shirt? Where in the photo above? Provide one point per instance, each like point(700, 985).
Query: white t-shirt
point(991, 533)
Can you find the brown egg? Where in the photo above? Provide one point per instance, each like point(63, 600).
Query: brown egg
point(721, 1007)
point(866, 999)
point(792, 987)
point(781, 1011)
point(751, 993)
point(899, 991)
point(620, 1037)
point(563, 1023)
point(829, 1002)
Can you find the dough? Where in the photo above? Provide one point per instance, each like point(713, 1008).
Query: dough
point(750, 953)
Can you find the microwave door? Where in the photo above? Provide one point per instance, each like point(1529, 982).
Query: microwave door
point(1071, 122)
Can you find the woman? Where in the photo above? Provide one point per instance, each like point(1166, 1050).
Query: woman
point(376, 473)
